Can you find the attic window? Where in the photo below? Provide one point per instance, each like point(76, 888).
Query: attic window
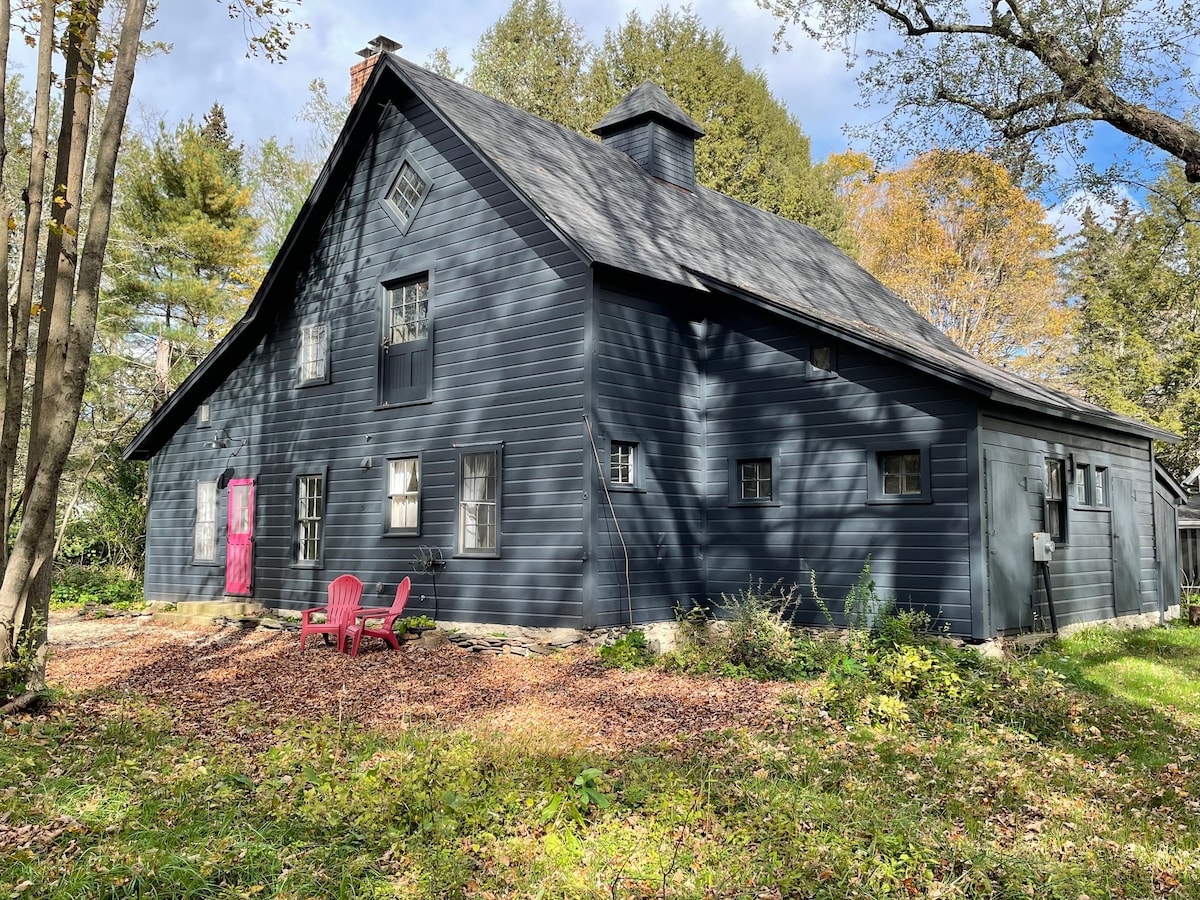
point(407, 192)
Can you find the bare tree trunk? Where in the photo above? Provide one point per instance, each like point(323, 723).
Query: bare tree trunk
point(59, 395)
point(22, 307)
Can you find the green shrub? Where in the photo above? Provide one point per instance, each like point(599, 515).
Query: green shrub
point(79, 585)
point(761, 640)
point(628, 652)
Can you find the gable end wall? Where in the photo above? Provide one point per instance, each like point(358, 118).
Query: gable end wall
point(507, 311)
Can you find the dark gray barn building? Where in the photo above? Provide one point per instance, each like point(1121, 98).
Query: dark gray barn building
point(602, 391)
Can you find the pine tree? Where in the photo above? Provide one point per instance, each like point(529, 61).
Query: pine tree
point(183, 265)
point(1137, 284)
point(535, 58)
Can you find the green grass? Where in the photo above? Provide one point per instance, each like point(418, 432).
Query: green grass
point(1157, 669)
point(1062, 776)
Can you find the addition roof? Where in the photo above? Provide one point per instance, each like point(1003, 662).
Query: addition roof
point(617, 216)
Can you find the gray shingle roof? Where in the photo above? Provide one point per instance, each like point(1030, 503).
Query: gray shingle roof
point(646, 101)
point(616, 214)
point(620, 216)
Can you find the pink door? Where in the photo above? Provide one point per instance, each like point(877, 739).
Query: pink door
point(239, 549)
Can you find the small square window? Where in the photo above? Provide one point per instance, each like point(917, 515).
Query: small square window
point(314, 353)
point(310, 518)
point(407, 192)
point(622, 463)
point(901, 473)
point(754, 479)
point(204, 415)
point(898, 475)
point(822, 359)
point(404, 495)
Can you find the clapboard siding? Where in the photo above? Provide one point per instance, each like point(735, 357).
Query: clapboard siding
point(507, 301)
point(697, 395)
point(648, 388)
point(1082, 569)
point(764, 399)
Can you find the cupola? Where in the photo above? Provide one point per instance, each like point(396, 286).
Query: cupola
point(659, 135)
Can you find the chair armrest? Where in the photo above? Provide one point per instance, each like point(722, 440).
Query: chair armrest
point(305, 613)
point(372, 611)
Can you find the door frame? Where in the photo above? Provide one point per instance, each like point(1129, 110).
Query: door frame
point(237, 561)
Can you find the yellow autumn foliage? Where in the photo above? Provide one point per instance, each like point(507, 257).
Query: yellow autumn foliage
point(966, 248)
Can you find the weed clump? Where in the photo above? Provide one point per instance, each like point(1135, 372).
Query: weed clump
point(628, 652)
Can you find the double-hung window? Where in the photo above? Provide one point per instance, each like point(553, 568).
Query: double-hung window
point(310, 518)
point(204, 543)
point(314, 353)
point(479, 503)
point(404, 495)
point(1056, 503)
point(1100, 487)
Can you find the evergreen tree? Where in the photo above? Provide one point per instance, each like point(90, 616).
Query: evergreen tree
point(535, 58)
point(1137, 280)
point(183, 265)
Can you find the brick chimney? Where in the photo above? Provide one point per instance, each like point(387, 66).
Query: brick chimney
point(360, 73)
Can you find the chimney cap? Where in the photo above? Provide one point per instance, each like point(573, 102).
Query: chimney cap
point(380, 44)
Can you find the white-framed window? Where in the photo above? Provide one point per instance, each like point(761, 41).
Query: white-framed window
point(622, 463)
point(1100, 487)
point(755, 481)
point(314, 353)
point(310, 517)
point(404, 495)
point(1056, 503)
point(204, 415)
point(1083, 485)
point(204, 541)
point(479, 503)
point(408, 311)
point(407, 192)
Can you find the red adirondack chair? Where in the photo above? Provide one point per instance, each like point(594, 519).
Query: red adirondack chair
point(345, 592)
point(389, 614)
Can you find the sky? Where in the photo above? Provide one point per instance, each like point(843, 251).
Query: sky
point(208, 61)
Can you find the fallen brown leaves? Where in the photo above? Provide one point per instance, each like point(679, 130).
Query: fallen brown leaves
point(204, 675)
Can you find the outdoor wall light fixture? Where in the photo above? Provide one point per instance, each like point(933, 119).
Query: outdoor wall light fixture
point(367, 463)
point(220, 440)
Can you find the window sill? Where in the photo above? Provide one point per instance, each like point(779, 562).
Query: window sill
point(383, 406)
point(207, 563)
point(626, 489)
point(900, 501)
point(752, 503)
point(308, 565)
point(406, 533)
point(491, 555)
point(313, 382)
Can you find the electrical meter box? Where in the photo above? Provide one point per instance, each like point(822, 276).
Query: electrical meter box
point(1043, 547)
